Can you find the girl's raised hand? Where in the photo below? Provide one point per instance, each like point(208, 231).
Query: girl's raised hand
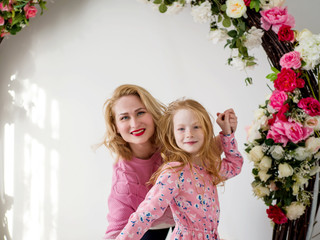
point(223, 121)
point(232, 119)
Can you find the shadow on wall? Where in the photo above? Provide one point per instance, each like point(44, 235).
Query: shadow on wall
point(29, 133)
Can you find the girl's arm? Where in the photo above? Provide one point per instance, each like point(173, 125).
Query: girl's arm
point(156, 202)
point(232, 163)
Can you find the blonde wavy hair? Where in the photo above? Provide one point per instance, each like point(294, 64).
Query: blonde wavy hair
point(209, 153)
point(113, 140)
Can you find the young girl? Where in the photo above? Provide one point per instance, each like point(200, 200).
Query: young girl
point(132, 117)
point(192, 169)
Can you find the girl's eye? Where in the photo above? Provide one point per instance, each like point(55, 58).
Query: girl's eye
point(197, 127)
point(180, 129)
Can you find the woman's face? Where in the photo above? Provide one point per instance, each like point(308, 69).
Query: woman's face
point(133, 122)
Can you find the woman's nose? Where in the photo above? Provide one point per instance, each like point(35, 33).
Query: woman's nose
point(134, 122)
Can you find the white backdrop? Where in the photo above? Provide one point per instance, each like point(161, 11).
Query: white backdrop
point(62, 68)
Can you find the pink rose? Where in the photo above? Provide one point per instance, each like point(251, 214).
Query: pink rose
point(282, 132)
point(277, 132)
point(291, 60)
point(285, 33)
point(5, 8)
point(276, 215)
point(30, 11)
point(296, 132)
point(277, 99)
point(1, 21)
point(310, 105)
point(287, 80)
point(276, 17)
point(4, 33)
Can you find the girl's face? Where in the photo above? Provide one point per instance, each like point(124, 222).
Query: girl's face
point(188, 133)
point(133, 122)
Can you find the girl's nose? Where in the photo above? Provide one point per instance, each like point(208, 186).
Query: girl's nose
point(189, 133)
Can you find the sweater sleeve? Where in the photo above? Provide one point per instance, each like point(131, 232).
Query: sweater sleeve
point(156, 202)
point(232, 163)
point(119, 206)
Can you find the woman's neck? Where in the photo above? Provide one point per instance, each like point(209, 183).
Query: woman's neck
point(143, 151)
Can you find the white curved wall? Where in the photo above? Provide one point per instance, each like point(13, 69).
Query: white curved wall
point(67, 62)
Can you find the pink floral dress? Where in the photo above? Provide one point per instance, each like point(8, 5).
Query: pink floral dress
point(190, 194)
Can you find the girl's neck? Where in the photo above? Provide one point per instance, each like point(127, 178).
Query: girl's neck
point(143, 151)
point(196, 160)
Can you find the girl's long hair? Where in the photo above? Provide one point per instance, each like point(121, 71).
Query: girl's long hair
point(209, 153)
point(113, 140)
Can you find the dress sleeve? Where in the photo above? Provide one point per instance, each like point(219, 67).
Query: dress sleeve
point(156, 202)
point(232, 163)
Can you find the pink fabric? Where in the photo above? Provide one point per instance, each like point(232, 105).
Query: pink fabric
point(129, 190)
point(191, 196)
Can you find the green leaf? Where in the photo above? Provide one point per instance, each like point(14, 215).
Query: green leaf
point(269, 142)
point(163, 8)
point(232, 33)
point(224, 7)
point(275, 70)
point(255, 171)
point(157, 1)
point(250, 63)
point(220, 18)
point(248, 81)
point(226, 22)
point(272, 76)
point(255, 4)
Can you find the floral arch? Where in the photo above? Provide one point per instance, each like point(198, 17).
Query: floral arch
point(283, 140)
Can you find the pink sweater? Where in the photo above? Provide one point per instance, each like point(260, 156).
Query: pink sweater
point(191, 196)
point(129, 190)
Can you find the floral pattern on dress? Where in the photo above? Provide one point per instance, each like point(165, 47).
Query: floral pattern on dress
point(190, 194)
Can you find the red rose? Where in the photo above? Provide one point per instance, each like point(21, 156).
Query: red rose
point(282, 111)
point(247, 2)
point(310, 105)
point(276, 215)
point(287, 80)
point(285, 33)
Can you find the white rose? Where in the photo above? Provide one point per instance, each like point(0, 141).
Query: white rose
point(313, 144)
point(301, 153)
point(259, 113)
point(265, 163)
point(295, 210)
point(314, 170)
point(304, 34)
point(256, 154)
point(260, 191)
point(236, 8)
point(253, 132)
point(267, 4)
point(175, 8)
point(285, 170)
point(263, 175)
point(253, 38)
point(277, 152)
point(218, 35)
point(312, 122)
point(295, 189)
point(238, 63)
point(202, 13)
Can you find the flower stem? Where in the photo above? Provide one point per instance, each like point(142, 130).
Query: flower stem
point(308, 79)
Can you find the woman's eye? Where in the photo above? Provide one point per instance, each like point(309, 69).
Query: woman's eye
point(141, 113)
point(124, 118)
